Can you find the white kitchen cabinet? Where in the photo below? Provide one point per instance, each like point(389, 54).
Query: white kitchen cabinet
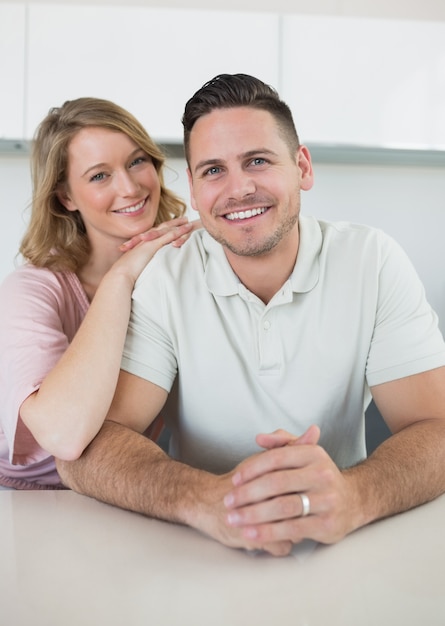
point(365, 81)
point(12, 69)
point(148, 60)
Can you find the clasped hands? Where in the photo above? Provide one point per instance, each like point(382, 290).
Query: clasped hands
point(263, 508)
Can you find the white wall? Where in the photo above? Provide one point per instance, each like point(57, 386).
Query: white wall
point(15, 194)
point(400, 9)
point(408, 202)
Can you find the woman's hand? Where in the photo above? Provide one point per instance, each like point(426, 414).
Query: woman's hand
point(141, 248)
point(175, 231)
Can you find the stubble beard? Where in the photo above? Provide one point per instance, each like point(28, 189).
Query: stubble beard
point(251, 246)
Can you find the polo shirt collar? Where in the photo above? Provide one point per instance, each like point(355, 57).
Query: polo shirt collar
point(221, 280)
point(306, 271)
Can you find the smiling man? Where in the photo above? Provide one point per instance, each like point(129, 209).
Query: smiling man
point(278, 328)
point(248, 192)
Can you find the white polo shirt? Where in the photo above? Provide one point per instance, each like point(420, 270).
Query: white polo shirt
point(352, 314)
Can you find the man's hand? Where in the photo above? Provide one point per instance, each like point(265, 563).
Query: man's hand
point(209, 515)
point(264, 504)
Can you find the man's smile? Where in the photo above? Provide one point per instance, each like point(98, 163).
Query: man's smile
point(243, 215)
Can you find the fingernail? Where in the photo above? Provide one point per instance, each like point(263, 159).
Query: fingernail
point(250, 533)
point(236, 479)
point(233, 519)
point(229, 500)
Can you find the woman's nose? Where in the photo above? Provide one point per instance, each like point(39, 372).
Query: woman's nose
point(127, 185)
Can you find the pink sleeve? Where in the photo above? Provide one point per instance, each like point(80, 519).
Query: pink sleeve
point(39, 315)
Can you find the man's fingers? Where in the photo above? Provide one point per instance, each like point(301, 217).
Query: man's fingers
point(285, 507)
point(281, 437)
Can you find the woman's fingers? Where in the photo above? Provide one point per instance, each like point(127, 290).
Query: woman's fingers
point(176, 230)
point(171, 233)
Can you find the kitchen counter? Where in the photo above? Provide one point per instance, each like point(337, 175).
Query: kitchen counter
point(66, 559)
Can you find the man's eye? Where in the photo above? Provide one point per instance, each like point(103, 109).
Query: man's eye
point(212, 170)
point(258, 161)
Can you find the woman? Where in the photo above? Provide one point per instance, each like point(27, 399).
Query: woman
point(100, 211)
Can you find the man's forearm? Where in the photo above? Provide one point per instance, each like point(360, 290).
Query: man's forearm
point(123, 468)
point(404, 471)
point(128, 470)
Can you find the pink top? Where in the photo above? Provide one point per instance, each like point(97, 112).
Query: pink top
point(40, 312)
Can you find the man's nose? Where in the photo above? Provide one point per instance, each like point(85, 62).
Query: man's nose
point(240, 184)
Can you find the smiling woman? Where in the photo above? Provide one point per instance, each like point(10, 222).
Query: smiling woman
point(114, 186)
point(100, 211)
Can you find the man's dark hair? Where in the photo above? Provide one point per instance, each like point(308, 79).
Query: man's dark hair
point(238, 90)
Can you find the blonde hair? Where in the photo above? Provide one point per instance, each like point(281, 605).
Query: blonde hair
point(56, 238)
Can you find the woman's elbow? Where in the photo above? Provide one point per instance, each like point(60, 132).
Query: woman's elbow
point(67, 443)
point(63, 447)
point(64, 439)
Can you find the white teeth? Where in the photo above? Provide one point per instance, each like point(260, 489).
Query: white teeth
point(243, 215)
point(132, 209)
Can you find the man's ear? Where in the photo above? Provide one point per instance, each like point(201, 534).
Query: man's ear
point(64, 198)
point(304, 162)
point(192, 197)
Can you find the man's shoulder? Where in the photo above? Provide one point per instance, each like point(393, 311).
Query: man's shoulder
point(347, 242)
point(341, 231)
point(345, 227)
point(174, 262)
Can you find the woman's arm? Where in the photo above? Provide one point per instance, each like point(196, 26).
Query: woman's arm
point(69, 408)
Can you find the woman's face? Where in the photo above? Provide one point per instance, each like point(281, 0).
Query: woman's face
point(112, 183)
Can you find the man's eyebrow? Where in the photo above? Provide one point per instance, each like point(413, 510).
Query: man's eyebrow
point(252, 153)
point(206, 163)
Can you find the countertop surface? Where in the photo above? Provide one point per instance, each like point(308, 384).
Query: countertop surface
point(66, 559)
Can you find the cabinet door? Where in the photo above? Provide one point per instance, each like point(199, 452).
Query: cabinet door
point(12, 70)
point(370, 82)
point(148, 60)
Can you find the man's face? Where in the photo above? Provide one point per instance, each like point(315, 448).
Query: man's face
point(244, 181)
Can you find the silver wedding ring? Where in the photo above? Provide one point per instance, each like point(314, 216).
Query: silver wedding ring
point(306, 504)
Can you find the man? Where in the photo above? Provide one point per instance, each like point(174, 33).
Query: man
point(278, 326)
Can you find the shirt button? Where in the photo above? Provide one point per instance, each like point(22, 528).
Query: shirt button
point(266, 325)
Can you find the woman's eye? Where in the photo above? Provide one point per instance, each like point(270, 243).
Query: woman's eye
point(137, 160)
point(97, 177)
